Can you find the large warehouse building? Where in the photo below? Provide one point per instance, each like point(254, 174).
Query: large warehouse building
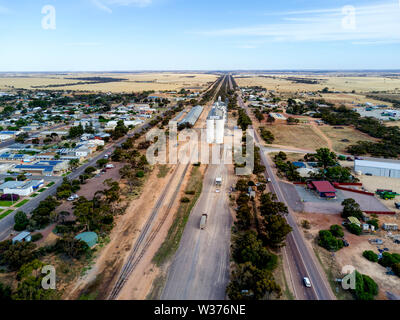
point(378, 167)
point(192, 116)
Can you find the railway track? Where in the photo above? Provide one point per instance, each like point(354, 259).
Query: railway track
point(145, 240)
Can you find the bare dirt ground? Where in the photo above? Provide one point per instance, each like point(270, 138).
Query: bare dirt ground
point(346, 133)
point(297, 135)
point(373, 183)
point(140, 281)
point(352, 255)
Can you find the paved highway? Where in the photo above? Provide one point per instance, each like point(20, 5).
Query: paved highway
point(302, 262)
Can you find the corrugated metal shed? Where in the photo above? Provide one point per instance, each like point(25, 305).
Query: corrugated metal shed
point(382, 168)
point(192, 116)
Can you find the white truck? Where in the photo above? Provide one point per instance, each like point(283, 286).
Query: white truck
point(218, 181)
point(203, 221)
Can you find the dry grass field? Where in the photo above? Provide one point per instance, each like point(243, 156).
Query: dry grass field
point(336, 83)
point(133, 82)
point(337, 135)
point(296, 136)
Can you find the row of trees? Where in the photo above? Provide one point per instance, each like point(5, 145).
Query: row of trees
point(252, 277)
point(267, 135)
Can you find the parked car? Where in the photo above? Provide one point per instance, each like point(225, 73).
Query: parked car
point(307, 282)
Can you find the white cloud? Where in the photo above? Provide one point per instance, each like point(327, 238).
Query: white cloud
point(380, 22)
point(106, 4)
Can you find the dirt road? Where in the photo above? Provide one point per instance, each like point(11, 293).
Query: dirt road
point(200, 269)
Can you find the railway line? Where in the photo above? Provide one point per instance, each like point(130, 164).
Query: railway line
point(146, 238)
point(148, 234)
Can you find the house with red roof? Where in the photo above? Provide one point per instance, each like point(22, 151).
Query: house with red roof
point(324, 188)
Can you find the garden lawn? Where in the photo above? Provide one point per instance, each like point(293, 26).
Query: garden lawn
point(20, 204)
point(5, 214)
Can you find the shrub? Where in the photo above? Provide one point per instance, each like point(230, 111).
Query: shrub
point(9, 197)
point(337, 231)
point(140, 174)
point(396, 269)
point(375, 223)
point(306, 224)
point(185, 200)
point(370, 255)
point(328, 241)
point(190, 192)
point(388, 260)
point(353, 228)
point(366, 288)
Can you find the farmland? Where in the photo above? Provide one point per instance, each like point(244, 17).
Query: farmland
point(344, 137)
point(107, 82)
point(282, 83)
point(297, 136)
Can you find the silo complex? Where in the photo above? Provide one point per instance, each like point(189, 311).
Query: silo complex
point(216, 123)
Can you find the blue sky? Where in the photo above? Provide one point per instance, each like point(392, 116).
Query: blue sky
point(111, 35)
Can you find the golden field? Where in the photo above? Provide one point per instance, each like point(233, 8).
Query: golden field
point(134, 82)
point(335, 83)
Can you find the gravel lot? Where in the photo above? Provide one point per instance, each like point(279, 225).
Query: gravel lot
point(314, 204)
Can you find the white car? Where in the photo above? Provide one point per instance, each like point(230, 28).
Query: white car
point(217, 191)
point(307, 282)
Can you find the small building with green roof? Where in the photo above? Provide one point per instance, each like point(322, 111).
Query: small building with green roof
point(90, 238)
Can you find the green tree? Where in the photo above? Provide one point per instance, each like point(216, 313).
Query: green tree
point(336, 230)
point(270, 205)
point(21, 221)
point(250, 283)
point(370, 255)
point(325, 158)
point(16, 255)
point(354, 229)
point(366, 288)
point(248, 248)
point(275, 230)
point(351, 209)
point(328, 241)
point(5, 292)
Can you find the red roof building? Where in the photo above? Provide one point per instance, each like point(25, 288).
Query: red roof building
point(324, 188)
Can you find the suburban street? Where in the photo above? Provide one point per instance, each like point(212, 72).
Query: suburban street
point(200, 269)
point(7, 223)
point(302, 263)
